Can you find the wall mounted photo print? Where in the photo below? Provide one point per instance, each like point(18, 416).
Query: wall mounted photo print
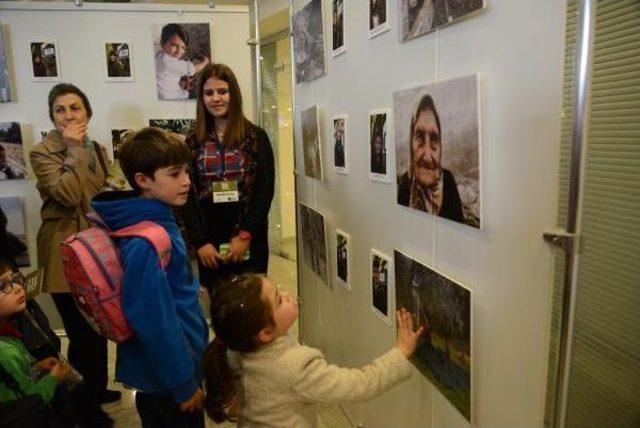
point(379, 142)
point(380, 269)
point(337, 13)
point(343, 259)
point(308, 42)
point(12, 163)
point(116, 179)
point(378, 17)
point(118, 62)
point(418, 17)
point(45, 62)
point(340, 144)
point(438, 149)
point(12, 207)
point(181, 52)
point(314, 245)
point(443, 308)
point(311, 143)
point(5, 83)
point(181, 127)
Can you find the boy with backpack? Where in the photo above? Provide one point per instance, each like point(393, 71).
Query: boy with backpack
point(162, 360)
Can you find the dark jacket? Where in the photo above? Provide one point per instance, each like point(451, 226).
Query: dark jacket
point(451, 203)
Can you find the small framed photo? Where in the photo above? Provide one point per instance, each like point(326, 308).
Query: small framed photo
point(340, 145)
point(380, 274)
point(343, 259)
point(338, 19)
point(378, 17)
point(118, 64)
point(379, 143)
point(45, 63)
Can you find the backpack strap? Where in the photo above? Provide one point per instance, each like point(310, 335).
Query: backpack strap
point(155, 234)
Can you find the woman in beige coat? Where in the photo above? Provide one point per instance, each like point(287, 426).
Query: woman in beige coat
point(71, 169)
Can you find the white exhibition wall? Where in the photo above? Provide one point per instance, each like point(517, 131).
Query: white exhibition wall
point(516, 47)
point(81, 34)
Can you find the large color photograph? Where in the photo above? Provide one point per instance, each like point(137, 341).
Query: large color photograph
point(418, 17)
point(311, 143)
point(11, 212)
point(438, 149)
point(308, 42)
point(314, 244)
point(443, 308)
point(12, 163)
point(5, 84)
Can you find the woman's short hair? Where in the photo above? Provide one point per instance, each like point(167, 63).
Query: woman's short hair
point(67, 88)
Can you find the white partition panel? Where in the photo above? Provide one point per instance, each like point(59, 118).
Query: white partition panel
point(516, 48)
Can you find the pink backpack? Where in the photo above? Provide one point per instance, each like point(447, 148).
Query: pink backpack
point(93, 269)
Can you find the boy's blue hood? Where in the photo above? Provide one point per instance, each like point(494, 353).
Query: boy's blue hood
point(122, 209)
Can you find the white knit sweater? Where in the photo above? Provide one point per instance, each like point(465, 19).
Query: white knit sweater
point(280, 384)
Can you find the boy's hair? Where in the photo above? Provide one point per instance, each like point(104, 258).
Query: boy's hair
point(238, 314)
point(148, 150)
point(170, 30)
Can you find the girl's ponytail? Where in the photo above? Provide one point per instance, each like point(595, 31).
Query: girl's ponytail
point(238, 314)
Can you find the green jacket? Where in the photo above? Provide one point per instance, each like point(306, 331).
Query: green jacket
point(17, 361)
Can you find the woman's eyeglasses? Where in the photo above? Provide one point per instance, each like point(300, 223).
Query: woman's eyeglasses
point(6, 285)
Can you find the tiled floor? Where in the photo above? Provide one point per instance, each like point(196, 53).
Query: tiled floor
point(283, 272)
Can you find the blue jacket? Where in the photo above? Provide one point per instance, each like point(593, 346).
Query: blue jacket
point(161, 307)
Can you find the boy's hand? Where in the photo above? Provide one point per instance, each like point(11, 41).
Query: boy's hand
point(209, 256)
point(237, 249)
point(407, 338)
point(45, 366)
point(60, 371)
point(193, 403)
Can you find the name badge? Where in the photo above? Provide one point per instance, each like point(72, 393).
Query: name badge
point(225, 191)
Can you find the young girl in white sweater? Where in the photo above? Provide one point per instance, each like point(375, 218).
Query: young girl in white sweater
point(259, 374)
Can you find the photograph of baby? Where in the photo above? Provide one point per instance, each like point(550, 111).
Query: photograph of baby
point(118, 65)
point(378, 146)
point(380, 286)
point(443, 308)
point(337, 14)
point(343, 266)
point(308, 42)
point(44, 60)
point(12, 163)
point(12, 220)
point(311, 143)
point(181, 51)
point(340, 150)
point(378, 17)
point(5, 84)
point(438, 149)
point(314, 245)
point(419, 17)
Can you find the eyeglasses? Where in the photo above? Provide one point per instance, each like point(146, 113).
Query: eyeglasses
point(6, 285)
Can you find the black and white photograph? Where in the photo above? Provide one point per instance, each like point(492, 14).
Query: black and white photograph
point(118, 61)
point(378, 17)
point(5, 82)
point(311, 143)
point(343, 259)
point(338, 14)
point(379, 142)
point(12, 161)
point(45, 63)
point(419, 17)
point(438, 149)
point(12, 213)
point(308, 42)
point(380, 287)
point(340, 144)
point(180, 127)
point(443, 308)
point(182, 50)
point(314, 244)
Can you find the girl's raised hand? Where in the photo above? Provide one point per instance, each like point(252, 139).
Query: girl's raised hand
point(407, 338)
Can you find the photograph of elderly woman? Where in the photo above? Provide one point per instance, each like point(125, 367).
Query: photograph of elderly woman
point(12, 163)
point(438, 149)
point(181, 51)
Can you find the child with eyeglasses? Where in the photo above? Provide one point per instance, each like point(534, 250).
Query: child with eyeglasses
point(279, 380)
point(21, 375)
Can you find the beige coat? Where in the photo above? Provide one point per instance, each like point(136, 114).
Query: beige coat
point(280, 385)
point(66, 184)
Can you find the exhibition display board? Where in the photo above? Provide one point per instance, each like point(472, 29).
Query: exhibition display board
point(454, 235)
